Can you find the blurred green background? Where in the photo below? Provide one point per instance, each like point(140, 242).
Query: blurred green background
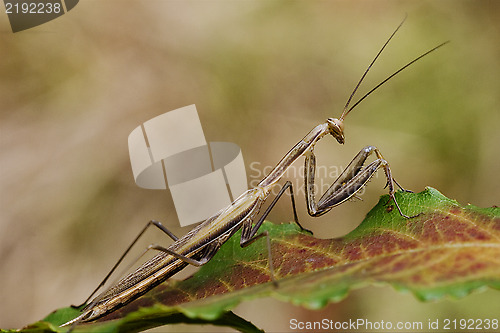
point(261, 74)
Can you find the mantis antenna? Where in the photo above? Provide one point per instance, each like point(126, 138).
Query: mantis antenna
point(348, 109)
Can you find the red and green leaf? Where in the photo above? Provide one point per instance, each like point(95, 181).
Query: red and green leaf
point(447, 250)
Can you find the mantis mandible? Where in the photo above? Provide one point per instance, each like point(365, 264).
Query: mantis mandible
point(200, 244)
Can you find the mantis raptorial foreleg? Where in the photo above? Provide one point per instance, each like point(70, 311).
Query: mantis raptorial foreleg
point(350, 181)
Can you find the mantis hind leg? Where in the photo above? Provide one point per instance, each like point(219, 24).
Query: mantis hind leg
point(208, 252)
point(350, 181)
point(150, 223)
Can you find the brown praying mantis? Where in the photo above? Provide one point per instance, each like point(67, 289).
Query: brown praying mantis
point(200, 244)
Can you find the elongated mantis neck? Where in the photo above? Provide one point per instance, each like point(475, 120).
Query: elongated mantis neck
point(296, 152)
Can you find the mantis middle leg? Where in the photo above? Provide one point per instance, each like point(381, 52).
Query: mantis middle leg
point(249, 231)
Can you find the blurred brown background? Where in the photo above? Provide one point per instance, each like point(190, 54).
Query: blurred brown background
point(262, 74)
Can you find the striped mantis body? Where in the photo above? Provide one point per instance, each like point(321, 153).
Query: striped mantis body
point(199, 245)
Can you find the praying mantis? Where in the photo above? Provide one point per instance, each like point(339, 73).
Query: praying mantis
point(200, 244)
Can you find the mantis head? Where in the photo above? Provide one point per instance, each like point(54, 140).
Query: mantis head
point(336, 128)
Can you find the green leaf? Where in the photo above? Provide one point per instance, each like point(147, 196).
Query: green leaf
point(137, 321)
point(447, 250)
